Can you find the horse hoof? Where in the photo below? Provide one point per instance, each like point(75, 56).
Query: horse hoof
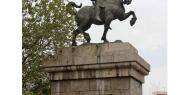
point(74, 44)
point(132, 22)
point(106, 41)
point(88, 42)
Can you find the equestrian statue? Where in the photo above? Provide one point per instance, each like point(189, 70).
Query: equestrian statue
point(102, 12)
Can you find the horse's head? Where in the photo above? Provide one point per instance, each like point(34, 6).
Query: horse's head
point(127, 2)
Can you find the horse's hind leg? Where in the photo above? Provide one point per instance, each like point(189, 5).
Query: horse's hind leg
point(126, 15)
point(81, 29)
point(75, 33)
point(86, 35)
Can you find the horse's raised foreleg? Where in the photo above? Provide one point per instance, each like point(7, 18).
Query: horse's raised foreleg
point(126, 15)
point(107, 27)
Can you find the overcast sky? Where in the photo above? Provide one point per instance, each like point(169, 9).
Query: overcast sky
point(148, 35)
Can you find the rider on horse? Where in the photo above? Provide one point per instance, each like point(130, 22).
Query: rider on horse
point(110, 9)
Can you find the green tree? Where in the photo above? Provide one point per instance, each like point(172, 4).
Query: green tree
point(46, 26)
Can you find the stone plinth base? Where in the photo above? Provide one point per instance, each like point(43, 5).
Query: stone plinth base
point(97, 69)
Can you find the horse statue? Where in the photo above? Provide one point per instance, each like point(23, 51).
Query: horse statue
point(113, 9)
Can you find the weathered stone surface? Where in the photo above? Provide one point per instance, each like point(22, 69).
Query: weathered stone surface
point(119, 83)
point(100, 84)
point(97, 69)
point(80, 85)
point(97, 53)
point(136, 87)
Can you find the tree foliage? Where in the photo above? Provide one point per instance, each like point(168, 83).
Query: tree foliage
point(46, 25)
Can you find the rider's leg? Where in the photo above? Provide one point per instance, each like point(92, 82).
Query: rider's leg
point(97, 13)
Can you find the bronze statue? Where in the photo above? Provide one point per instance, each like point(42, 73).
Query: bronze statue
point(103, 12)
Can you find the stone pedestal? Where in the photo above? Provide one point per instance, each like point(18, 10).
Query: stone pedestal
point(97, 69)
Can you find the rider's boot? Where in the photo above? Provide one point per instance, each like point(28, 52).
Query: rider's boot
point(97, 14)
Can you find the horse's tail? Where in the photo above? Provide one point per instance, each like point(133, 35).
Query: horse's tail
point(75, 5)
